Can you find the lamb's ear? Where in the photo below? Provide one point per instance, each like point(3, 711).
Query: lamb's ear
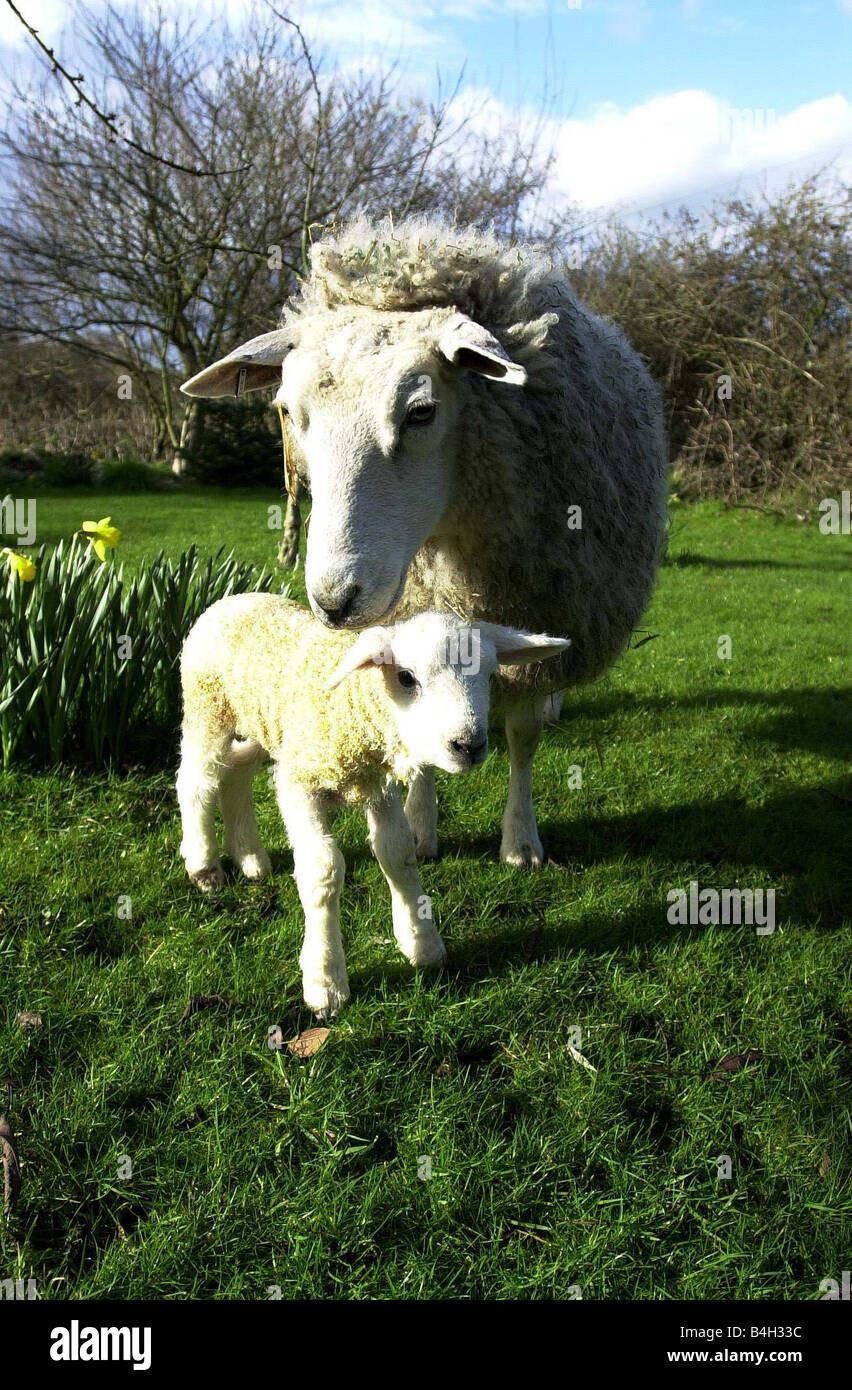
point(467, 344)
point(515, 648)
point(249, 367)
point(371, 647)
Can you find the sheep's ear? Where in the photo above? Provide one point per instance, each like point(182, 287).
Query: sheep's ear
point(466, 343)
point(249, 367)
point(371, 647)
point(515, 648)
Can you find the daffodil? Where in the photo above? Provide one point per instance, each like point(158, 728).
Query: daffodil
point(21, 564)
point(102, 535)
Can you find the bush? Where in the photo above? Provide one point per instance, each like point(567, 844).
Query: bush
point(67, 470)
point(131, 477)
point(236, 447)
point(91, 659)
point(745, 322)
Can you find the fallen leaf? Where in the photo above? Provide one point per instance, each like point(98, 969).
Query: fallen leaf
point(11, 1167)
point(733, 1062)
point(205, 1001)
point(309, 1042)
point(29, 1021)
point(824, 1164)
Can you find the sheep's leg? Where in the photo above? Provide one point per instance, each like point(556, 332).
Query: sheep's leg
point(393, 845)
point(521, 845)
point(319, 871)
point(242, 837)
point(421, 812)
point(198, 782)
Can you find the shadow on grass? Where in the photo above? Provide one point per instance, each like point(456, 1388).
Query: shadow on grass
point(813, 719)
point(721, 843)
point(688, 559)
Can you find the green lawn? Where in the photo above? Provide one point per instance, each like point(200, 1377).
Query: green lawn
point(309, 1176)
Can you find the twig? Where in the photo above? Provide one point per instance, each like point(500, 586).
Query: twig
point(75, 83)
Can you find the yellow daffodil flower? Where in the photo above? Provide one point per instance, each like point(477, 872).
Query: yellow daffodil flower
point(21, 564)
point(103, 536)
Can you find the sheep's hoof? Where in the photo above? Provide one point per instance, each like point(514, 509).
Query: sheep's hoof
point(208, 880)
point(524, 854)
point(426, 846)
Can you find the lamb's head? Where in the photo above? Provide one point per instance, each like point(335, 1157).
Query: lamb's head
point(373, 399)
point(437, 675)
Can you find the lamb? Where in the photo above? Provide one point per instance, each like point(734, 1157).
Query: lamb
point(344, 721)
point(475, 441)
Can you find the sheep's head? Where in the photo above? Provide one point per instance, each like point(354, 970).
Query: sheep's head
point(373, 400)
point(437, 674)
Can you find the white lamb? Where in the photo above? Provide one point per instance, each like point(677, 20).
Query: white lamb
point(343, 719)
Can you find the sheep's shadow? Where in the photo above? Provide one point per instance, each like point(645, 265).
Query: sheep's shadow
point(817, 720)
point(687, 559)
point(735, 846)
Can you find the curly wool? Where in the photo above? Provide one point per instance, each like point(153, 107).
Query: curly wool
point(426, 263)
point(255, 666)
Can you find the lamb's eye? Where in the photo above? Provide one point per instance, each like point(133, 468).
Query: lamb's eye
point(407, 679)
point(420, 413)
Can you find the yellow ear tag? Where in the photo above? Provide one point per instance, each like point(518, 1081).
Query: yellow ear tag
point(290, 478)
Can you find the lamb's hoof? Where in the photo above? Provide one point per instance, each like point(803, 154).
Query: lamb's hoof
point(424, 953)
point(256, 866)
point(325, 998)
point(523, 853)
point(208, 881)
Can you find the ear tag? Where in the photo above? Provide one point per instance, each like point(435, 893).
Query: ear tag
point(241, 381)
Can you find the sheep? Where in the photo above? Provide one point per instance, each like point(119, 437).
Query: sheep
point(344, 721)
point(475, 441)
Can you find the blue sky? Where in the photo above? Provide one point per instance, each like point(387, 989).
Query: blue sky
point(649, 103)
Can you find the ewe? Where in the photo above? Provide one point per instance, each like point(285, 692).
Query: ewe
point(476, 441)
point(343, 720)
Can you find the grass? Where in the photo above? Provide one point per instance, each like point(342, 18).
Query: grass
point(310, 1176)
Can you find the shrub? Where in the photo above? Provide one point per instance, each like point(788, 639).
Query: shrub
point(745, 321)
point(67, 470)
point(91, 660)
point(130, 476)
point(235, 445)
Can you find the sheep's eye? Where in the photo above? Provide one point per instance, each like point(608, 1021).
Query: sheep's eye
point(420, 413)
point(407, 679)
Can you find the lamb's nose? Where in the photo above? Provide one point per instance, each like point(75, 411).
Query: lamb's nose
point(336, 606)
point(468, 749)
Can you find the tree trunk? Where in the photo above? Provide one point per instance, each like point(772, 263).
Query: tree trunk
point(190, 432)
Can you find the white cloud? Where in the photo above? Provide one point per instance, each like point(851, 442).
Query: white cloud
point(675, 146)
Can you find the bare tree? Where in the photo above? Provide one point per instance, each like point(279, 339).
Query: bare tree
point(156, 266)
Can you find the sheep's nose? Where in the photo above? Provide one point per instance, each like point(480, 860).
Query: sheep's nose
point(337, 605)
point(466, 749)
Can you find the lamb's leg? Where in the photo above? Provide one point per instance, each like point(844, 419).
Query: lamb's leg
point(421, 812)
point(242, 838)
point(198, 783)
point(521, 845)
point(319, 871)
point(393, 845)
